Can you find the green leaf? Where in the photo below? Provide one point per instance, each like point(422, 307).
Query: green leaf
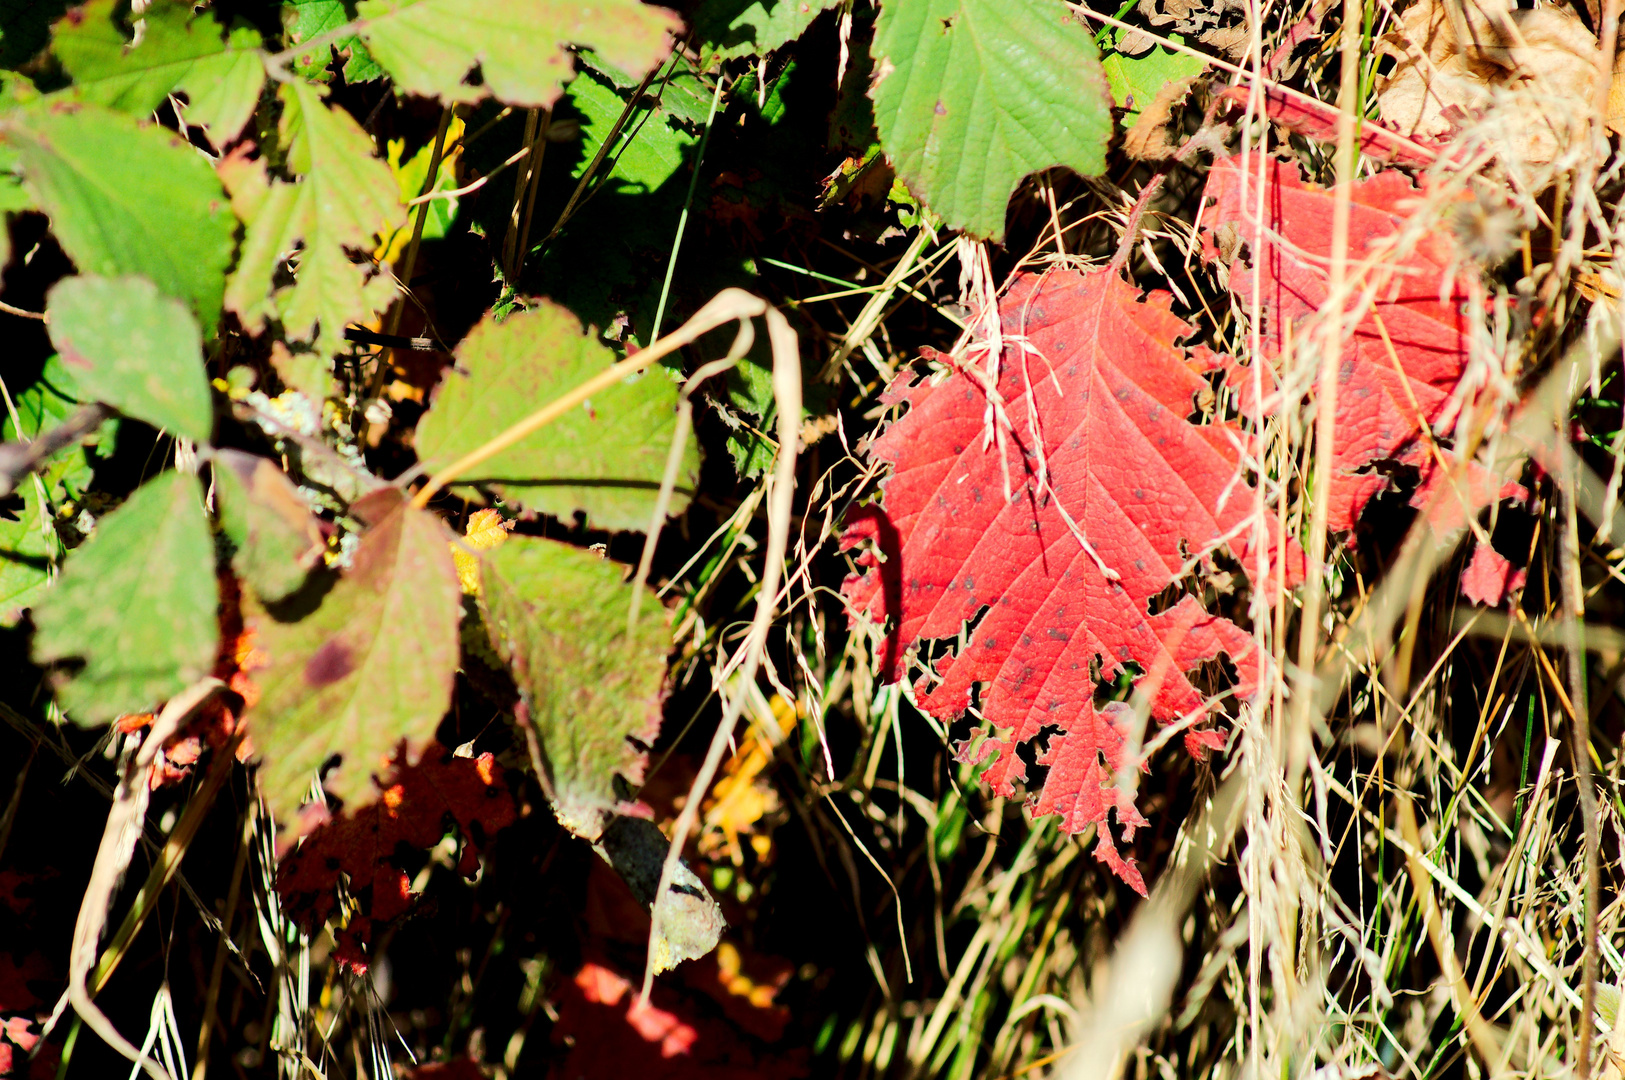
point(557, 615)
point(135, 349)
point(305, 19)
point(268, 523)
point(177, 53)
point(520, 46)
point(656, 149)
point(136, 602)
point(126, 199)
point(605, 457)
point(745, 27)
point(29, 548)
point(409, 177)
point(974, 95)
point(44, 403)
point(344, 197)
point(370, 667)
point(29, 543)
point(1136, 80)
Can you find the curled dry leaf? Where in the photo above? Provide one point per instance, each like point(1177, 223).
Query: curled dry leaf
point(1148, 139)
point(1461, 60)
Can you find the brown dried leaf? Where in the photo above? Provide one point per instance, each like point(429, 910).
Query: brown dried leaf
point(1148, 139)
point(1534, 69)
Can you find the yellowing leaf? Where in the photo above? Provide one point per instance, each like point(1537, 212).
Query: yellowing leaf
point(409, 176)
point(605, 457)
point(486, 530)
point(742, 797)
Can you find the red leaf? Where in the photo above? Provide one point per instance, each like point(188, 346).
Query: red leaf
point(674, 1037)
point(1489, 577)
point(16, 993)
point(416, 804)
point(1303, 115)
point(1097, 401)
point(1416, 325)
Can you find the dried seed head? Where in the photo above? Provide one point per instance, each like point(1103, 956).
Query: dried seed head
point(1488, 228)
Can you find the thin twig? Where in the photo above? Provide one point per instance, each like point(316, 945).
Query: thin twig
point(787, 398)
point(21, 458)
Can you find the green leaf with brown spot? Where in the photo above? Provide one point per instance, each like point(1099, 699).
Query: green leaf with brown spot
point(362, 667)
point(604, 458)
point(135, 607)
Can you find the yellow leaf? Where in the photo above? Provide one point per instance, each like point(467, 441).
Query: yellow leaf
point(486, 530)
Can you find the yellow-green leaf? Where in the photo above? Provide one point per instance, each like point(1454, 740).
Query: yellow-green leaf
point(136, 605)
point(604, 458)
point(557, 615)
point(519, 46)
point(126, 199)
point(973, 95)
point(344, 196)
point(135, 349)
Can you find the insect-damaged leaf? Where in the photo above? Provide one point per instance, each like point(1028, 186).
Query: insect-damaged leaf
point(370, 666)
point(557, 615)
point(519, 46)
point(343, 197)
point(605, 457)
point(126, 199)
point(177, 51)
point(1097, 434)
point(972, 95)
point(1401, 366)
point(268, 522)
point(136, 603)
point(306, 20)
point(132, 347)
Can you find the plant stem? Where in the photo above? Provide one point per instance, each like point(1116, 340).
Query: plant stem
point(682, 221)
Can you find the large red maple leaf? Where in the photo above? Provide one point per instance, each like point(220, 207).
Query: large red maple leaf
point(1400, 369)
point(1113, 492)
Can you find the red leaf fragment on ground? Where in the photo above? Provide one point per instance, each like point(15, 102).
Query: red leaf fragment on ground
point(416, 805)
point(16, 994)
point(1312, 119)
point(1489, 577)
point(1401, 367)
point(1098, 448)
point(674, 1037)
